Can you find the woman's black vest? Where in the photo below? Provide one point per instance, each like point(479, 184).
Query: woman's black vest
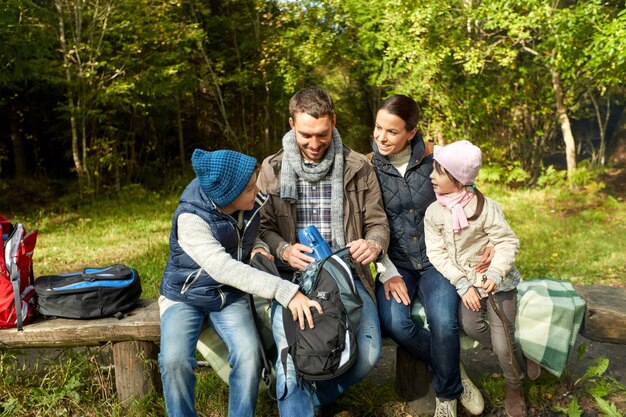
point(406, 200)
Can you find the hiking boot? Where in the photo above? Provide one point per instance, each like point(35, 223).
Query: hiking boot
point(533, 370)
point(445, 408)
point(471, 398)
point(514, 403)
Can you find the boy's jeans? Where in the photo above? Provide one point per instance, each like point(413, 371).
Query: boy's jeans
point(299, 400)
point(180, 328)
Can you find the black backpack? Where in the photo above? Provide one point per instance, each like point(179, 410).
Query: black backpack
point(329, 349)
point(90, 293)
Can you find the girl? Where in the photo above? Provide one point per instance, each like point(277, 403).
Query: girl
point(458, 228)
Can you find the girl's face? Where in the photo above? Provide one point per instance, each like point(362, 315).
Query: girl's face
point(245, 201)
point(442, 183)
point(390, 133)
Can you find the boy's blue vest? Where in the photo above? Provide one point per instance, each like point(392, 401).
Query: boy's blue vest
point(183, 279)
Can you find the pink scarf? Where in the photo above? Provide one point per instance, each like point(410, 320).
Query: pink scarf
point(455, 203)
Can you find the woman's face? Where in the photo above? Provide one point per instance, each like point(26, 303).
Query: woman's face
point(390, 133)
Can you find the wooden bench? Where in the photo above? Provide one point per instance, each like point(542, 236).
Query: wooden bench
point(134, 341)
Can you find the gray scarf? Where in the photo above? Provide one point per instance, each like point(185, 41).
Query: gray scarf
point(294, 167)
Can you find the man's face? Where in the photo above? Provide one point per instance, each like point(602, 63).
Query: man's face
point(313, 136)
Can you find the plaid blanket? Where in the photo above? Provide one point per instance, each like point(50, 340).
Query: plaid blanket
point(549, 316)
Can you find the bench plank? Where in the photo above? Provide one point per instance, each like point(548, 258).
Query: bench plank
point(142, 323)
point(605, 316)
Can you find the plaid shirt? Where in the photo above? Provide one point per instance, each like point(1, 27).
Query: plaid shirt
point(313, 206)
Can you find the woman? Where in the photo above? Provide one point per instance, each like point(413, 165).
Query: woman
point(403, 164)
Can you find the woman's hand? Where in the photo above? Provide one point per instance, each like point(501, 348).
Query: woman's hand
point(300, 306)
point(396, 287)
point(471, 299)
point(482, 266)
point(296, 256)
point(364, 251)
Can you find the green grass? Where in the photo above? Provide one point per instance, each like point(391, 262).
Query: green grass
point(574, 236)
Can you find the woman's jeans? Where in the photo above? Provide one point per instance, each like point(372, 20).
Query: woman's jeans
point(486, 327)
point(299, 399)
point(439, 346)
point(180, 328)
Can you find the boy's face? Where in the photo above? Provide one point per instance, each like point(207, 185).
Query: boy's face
point(313, 136)
point(245, 201)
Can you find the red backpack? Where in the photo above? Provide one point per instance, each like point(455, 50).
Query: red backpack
point(16, 275)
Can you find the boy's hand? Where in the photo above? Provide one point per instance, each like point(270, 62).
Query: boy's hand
point(296, 256)
point(471, 299)
point(300, 306)
point(262, 252)
point(395, 286)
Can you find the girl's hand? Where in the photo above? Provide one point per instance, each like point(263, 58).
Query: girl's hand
point(488, 285)
point(482, 266)
point(300, 306)
point(395, 286)
point(262, 252)
point(471, 299)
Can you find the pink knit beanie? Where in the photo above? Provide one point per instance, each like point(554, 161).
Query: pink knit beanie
point(461, 159)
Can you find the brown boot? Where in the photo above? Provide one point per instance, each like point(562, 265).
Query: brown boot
point(514, 403)
point(533, 370)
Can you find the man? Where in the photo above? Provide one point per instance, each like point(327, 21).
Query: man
point(315, 180)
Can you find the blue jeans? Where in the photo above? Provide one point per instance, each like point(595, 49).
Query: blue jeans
point(438, 347)
point(180, 328)
point(300, 400)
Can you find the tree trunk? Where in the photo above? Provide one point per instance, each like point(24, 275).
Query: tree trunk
point(70, 98)
point(20, 162)
point(181, 137)
point(566, 128)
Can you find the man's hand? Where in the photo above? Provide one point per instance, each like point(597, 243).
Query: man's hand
point(262, 252)
point(395, 286)
point(296, 256)
point(300, 306)
point(482, 266)
point(471, 299)
point(364, 251)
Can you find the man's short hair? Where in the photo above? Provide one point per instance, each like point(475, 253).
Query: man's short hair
point(312, 101)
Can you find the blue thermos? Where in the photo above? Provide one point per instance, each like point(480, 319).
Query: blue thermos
point(312, 238)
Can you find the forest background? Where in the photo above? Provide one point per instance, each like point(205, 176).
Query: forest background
point(102, 103)
point(115, 92)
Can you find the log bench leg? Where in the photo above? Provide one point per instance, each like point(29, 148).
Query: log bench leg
point(413, 383)
point(136, 369)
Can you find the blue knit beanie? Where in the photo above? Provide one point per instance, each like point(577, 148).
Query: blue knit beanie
point(223, 175)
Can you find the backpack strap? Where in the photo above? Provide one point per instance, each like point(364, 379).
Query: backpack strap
point(15, 280)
